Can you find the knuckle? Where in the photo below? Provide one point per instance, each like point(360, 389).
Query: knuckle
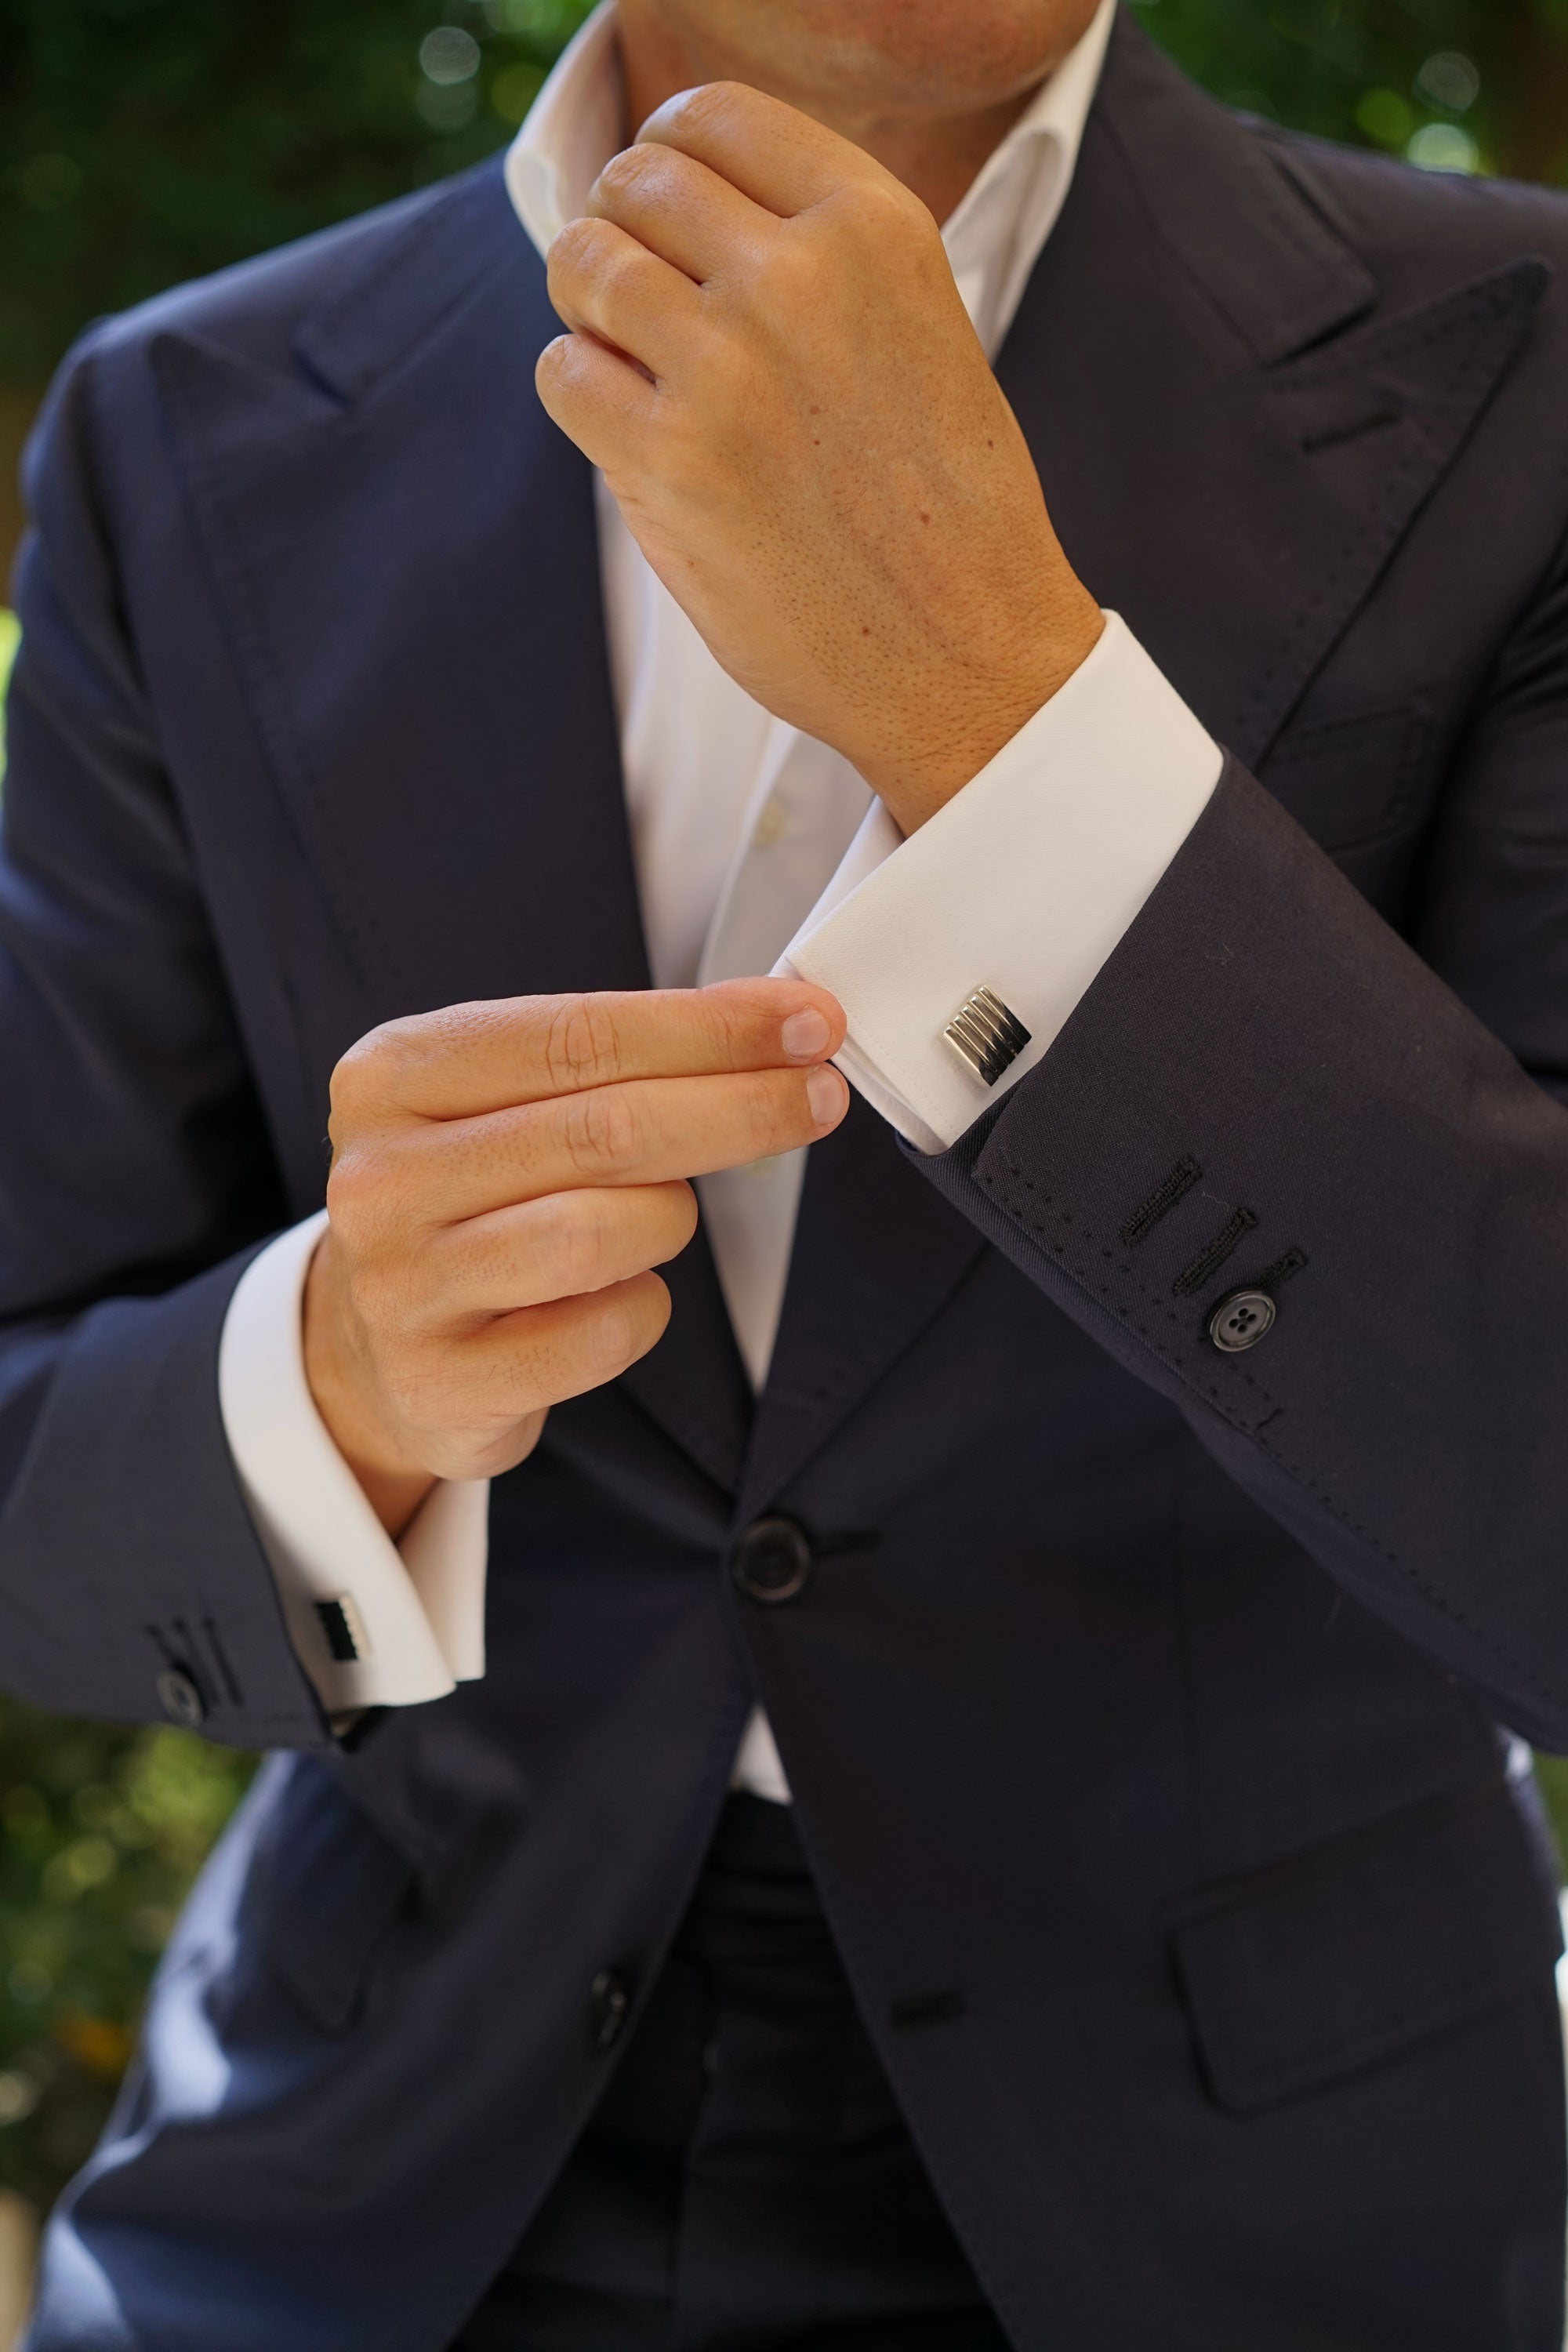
point(358, 1080)
point(884, 209)
point(602, 1131)
point(579, 1045)
point(720, 106)
point(576, 247)
point(365, 1083)
point(569, 1243)
point(353, 1187)
point(683, 1216)
point(627, 1325)
point(633, 171)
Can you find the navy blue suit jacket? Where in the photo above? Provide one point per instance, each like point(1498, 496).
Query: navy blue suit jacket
point(1141, 1707)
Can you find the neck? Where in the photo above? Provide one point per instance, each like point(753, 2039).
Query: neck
point(938, 153)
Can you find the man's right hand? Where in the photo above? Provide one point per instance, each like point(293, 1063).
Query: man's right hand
point(505, 1177)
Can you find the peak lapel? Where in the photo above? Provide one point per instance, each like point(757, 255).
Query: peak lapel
point(404, 552)
point(1233, 444)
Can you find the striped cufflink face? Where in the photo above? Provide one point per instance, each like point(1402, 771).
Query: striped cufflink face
point(987, 1037)
point(341, 1624)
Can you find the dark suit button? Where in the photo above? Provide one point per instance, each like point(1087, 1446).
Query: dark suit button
point(773, 1560)
point(608, 2004)
point(1239, 1321)
point(180, 1699)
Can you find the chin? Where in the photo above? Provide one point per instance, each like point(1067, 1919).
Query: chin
point(924, 54)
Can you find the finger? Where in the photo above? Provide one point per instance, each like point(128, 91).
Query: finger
point(562, 1245)
point(601, 399)
point(604, 279)
point(542, 1355)
point(680, 210)
point(647, 1131)
point(773, 154)
point(469, 1059)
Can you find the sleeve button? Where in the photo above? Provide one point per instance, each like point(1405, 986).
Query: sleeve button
point(1239, 1321)
point(180, 1699)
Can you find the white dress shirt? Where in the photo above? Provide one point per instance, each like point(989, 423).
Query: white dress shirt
point(757, 848)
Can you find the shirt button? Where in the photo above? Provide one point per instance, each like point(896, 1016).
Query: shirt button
point(1239, 1321)
point(180, 1699)
point(773, 1560)
point(609, 2003)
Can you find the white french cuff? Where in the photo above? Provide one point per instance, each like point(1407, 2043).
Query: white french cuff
point(373, 1623)
point(1022, 885)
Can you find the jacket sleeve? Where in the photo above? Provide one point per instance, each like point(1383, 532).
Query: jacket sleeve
point(136, 1178)
point(1269, 1087)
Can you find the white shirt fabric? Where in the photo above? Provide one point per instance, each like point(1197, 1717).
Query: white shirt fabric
point(757, 849)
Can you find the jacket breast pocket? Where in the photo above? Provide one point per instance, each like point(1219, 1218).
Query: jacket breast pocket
point(324, 1894)
point(1297, 1976)
point(1354, 783)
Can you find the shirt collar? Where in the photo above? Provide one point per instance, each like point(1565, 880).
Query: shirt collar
point(994, 238)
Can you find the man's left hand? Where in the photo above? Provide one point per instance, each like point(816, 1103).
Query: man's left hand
point(769, 361)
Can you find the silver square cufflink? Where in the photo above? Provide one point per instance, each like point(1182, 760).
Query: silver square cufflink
point(987, 1035)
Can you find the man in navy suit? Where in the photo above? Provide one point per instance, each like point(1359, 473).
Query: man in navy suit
point(943, 1770)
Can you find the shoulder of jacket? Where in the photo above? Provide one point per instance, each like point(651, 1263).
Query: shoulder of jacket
point(1410, 224)
point(255, 309)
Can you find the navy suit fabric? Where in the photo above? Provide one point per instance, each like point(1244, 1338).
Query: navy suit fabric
point(1142, 1708)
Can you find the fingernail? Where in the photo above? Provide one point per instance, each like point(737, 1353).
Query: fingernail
point(805, 1034)
point(825, 1091)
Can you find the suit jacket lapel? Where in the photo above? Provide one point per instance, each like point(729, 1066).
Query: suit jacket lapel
point(405, 551)
point(876, 1251)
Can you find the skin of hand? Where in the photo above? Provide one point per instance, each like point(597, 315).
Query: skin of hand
point(768, 358)
point(505, 1177)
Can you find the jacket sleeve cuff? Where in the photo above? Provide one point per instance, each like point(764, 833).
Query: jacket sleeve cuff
point(373, 1623)
point(1024, 883)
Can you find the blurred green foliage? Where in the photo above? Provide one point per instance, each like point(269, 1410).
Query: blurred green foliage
point(143, 141)
point(1454, 84)
point(101, 1832)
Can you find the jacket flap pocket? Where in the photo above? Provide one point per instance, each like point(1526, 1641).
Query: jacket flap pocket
point(1297, 1976)
point(1355, 781)
point(330, 1890)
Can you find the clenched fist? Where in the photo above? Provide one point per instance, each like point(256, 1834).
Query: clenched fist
point(770, 363)
point(505, 1177)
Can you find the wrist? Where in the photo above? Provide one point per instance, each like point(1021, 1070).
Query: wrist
point(394, 1484)
point(920, 774)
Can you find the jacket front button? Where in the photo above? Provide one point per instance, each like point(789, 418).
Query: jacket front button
point(609, 2003)
point(180, 1699)
point(1239, 1321)
point(772, 1560)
